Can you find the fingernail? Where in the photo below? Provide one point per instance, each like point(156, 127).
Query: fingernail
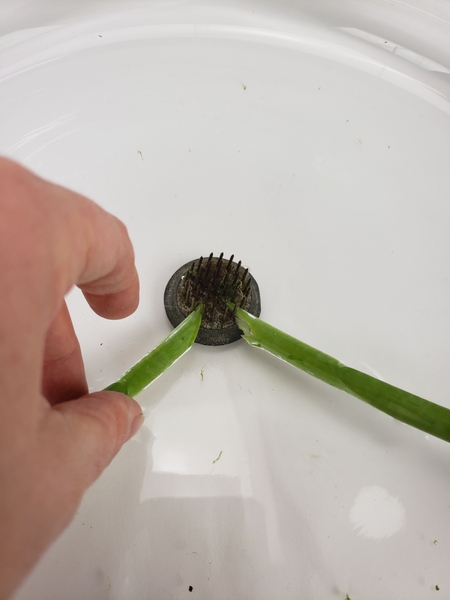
point(136, 425)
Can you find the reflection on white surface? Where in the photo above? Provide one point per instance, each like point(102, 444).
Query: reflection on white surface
point(376, 514)
point(312, 40)
point(42, 132)
point(417, 59)
point(371, 370)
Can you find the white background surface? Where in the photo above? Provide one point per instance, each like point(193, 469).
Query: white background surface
point(312, 140)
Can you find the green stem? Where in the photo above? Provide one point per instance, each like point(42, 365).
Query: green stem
point(161, 358)
point(397, 403)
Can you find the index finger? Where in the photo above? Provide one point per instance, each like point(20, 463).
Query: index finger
point(71, 241)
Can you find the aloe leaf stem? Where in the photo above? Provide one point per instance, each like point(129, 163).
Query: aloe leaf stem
point(404, 406)
point(161, 358)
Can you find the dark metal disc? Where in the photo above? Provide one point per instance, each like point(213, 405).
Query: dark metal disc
point(220, 328)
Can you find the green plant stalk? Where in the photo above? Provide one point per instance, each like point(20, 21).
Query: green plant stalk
point(397, 403)
point(161, 358)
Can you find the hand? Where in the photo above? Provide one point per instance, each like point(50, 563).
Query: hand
point(55, 438)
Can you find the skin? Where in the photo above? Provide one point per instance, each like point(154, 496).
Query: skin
point(55, 438)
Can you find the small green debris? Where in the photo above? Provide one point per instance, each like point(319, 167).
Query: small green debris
point(140, 154)
point(437, 588)
point(202, 376)
point(244, 87)
point(218, 458)
point(347, 597)
point(435, 542)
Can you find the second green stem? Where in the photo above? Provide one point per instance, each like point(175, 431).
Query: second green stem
point(404, 406)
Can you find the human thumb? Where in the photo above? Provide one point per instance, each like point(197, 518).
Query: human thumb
point(94, 428)
point(72, 444)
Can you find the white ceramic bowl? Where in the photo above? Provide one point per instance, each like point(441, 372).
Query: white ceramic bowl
point(312, 140)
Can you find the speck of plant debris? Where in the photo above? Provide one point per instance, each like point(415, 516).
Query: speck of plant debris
point(244, 87)
point(190, 588)
point(220, 454)
point(140, 154)
point(437, 588)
